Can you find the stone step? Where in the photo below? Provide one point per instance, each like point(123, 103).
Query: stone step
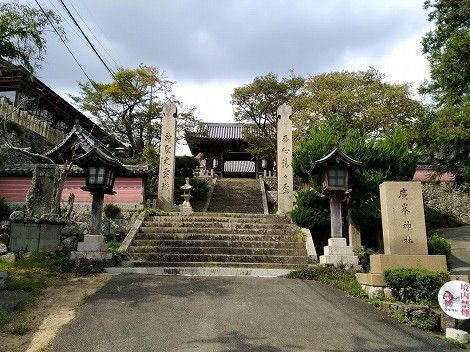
point(217, 214)
point(224, 219)
point(215, 236)
point(218, 230)
point(150, 264)
point(214, 224)
point(160, 257)
point(203, 271)
point(217, 250)
point(218, 243)
point(236, 195)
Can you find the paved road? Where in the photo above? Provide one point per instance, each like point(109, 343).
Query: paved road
point(459, 238)
point(149, 313)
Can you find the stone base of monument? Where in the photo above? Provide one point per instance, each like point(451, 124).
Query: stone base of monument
point(338, 253)
point(93, 248)
point(381, 262)
point(35, 234)
point(458, 335)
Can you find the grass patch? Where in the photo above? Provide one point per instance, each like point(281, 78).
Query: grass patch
point(456, 343)
point(424, 323)
point(35, 273)
point(5, 317)
point(20, 329)
point(329, 275)
point(399, 316)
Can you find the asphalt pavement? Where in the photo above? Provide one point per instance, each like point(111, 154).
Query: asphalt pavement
point(170, 313)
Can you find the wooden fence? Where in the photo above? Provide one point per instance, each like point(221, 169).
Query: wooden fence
point(30, 122)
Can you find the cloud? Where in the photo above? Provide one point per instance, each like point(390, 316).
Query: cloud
point(196, 40)
point(211, 46)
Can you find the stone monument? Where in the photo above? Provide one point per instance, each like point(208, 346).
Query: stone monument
point(40, 196)
point(285, 176)
point(166, 176)
point(404, 235)
point(38, 229)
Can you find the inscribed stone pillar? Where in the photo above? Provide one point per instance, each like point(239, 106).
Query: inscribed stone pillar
point(41, 193)
point(336, 217)
point(354, 233)
point(285, 177)
point(166, 176)
point(403, 226)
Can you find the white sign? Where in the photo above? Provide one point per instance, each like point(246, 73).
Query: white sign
point(454, 299)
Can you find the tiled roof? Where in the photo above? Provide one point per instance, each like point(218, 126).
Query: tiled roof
point(84, 138)
point(223, 130)
point(239, 166)
point(28, 169)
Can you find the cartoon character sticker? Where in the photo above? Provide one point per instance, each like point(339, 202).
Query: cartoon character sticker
point(448, 298)
point(453, 300)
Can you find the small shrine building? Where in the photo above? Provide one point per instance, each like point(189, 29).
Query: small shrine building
point(222, 151)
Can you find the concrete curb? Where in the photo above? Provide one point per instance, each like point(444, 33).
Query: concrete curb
point(132, 232)
point(209, 196)
point(263, 196)
point(200, 271)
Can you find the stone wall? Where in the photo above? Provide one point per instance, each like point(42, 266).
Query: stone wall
point(117, 226)
point(448, 198)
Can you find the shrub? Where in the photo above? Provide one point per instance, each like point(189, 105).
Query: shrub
point(364, 254)
point(118, 255)
point(438, 245)
point(111, 210)
point(199, 192)
point(311, 211)
point(415, 285)
point(185, 165)
point(4, 210)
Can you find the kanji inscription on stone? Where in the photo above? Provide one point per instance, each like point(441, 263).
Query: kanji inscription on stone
point(166, 177)
point(402, 210)
point(285, 191)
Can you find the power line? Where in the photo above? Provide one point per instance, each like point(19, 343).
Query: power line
point(63, 41)
point(111, 72)
point(95, 23)
point(71, 26)
point(93, 34)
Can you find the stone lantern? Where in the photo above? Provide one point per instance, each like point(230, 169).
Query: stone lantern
point(100, 169)
point(334, 170)
point(186, 194)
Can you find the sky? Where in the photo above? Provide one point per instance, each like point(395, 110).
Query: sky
point(209, 47)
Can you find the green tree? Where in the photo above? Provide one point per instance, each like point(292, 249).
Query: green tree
point(130, 107)
point(22, 33)
point(386, 158)
point(361, 100)
point(256, 104)
point(446, 132)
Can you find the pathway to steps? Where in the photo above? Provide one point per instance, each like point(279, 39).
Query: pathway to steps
point(217, 240)
point(236, 195)
point(459, 238)
point(142, 313)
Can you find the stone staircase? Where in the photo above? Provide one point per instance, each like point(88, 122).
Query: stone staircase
point(236, 195)
point(217, 240)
